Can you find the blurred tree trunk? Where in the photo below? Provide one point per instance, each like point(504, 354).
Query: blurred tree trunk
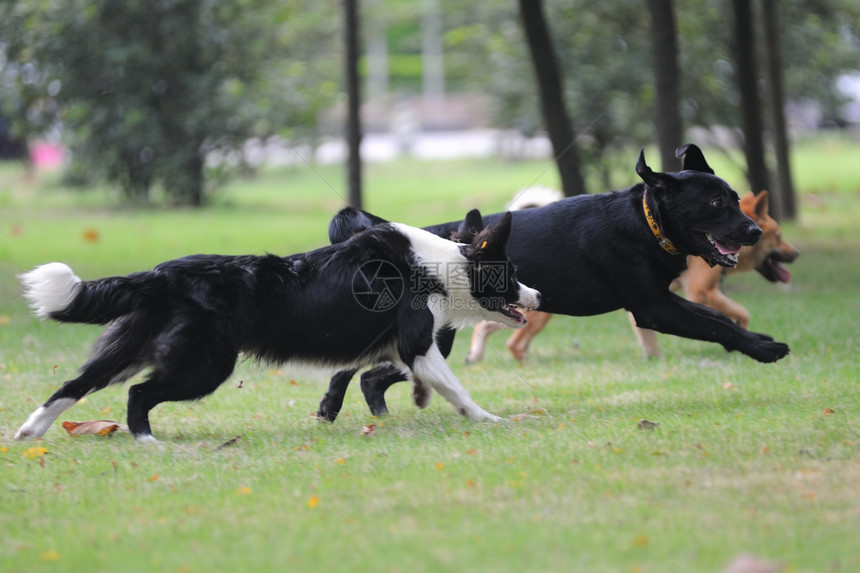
point(353, 119)
point(667, 79)
point(555, 118)
point(783, 204)
point(747, 78)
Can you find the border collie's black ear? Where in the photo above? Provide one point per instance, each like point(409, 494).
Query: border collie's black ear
point(654, 180)
point(491, 243)
point(471, 226)
point(694, 159)
point(349, 221)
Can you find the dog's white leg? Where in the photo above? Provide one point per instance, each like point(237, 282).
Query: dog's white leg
point(42, 418)
point(433, 370)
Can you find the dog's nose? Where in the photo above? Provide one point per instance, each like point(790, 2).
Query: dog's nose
point(754, 232)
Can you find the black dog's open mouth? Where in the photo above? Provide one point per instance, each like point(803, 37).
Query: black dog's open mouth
point(723, 253)
point(772, 270)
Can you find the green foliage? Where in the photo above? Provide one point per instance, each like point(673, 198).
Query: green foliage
point(147, 91)
point(607, 65)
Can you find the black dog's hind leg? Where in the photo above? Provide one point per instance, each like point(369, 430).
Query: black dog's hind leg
point(375, 382)
point(332, 402)
point(192, 368)
point(116, 358)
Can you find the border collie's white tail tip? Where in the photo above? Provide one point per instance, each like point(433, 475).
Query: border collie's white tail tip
point(49, 288)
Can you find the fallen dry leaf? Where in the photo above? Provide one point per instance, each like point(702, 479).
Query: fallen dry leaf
point(368, 430)
point(94, 427)
point(828, 411)
point(35, 452)
point(646, 424)
point(313, 501)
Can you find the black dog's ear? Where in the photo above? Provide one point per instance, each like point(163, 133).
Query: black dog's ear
point(350, 221)
point(490, 244)
point(694, 159)
point(471, 226)
point(654, 180)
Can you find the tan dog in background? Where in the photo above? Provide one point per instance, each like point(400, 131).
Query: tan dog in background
point(700, 282)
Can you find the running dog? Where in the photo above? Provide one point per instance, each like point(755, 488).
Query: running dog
point(384, 295)
point(593, 254)
point(700, 283)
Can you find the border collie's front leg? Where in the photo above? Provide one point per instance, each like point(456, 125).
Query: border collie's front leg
point(678, 316)
point(432, 369)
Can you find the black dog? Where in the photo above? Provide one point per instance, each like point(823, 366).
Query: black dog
point(381, 296)
point(593, 254)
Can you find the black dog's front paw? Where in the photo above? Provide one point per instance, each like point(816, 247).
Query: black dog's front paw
point(770, 351)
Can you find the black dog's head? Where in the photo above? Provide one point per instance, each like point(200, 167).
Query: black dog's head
point(699, 212)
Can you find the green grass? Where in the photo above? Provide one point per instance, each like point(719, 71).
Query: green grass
point(747, 457)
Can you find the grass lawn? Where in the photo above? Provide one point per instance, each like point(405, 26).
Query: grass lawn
point(754, 458)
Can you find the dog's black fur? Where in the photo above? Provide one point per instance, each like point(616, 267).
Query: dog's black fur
point(190, 318)
point(592, 254)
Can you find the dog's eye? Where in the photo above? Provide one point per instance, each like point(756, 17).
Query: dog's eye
point(718, 202)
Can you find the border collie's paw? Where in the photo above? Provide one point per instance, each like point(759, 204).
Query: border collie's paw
point(481, 415)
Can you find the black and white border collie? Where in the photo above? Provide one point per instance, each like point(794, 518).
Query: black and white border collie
point(382, 296)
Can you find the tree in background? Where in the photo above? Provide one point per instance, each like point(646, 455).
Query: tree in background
point(147, 91)
point(747, 79)
point(549, 84)
point(667, 82)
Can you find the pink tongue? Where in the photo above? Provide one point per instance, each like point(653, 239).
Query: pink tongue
point(782, 273)
point(727, 249)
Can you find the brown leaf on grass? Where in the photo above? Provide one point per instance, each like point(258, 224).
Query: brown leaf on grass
point(90, 235)
point(746, 563)
point(646, 424)
point(828, 411)
point(229, 442)
point(94, 427)
point(368, 430)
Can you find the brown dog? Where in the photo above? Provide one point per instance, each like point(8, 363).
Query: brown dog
point(700, 283)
